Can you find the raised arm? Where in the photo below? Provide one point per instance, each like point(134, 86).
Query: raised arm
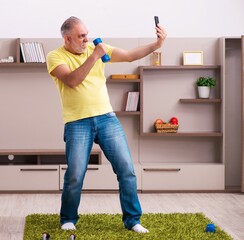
point(121, 55)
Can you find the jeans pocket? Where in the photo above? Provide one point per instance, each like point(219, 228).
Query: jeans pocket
point(110, 114)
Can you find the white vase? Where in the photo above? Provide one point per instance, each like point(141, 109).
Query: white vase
point(203, 92)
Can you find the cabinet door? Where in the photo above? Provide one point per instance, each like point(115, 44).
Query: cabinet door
point(168, 177)
point(35, 178)
point(101, 177)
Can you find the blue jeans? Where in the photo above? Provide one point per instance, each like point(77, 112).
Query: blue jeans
point(79, 136)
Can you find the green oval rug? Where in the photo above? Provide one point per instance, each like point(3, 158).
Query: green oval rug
point(182, 226)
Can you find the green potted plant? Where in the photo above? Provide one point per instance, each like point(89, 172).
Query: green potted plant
point(204, 84)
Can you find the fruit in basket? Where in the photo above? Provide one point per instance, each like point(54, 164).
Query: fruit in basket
point(174, 121)
point(158, 121)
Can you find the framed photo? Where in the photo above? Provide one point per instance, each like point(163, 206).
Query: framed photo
point(193, 58)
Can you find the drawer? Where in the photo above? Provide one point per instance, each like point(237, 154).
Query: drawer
point(183, 177)
point(17, 178)
point(101, 177)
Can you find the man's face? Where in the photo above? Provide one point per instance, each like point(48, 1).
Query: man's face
point(77, 39)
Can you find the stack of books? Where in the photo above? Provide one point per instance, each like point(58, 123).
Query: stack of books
point(32, 52)
point(132, 101)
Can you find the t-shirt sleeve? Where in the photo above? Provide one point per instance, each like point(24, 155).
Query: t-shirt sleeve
point(110, 50)
point(54, 60)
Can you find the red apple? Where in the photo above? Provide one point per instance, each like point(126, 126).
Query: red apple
point(158, 121)
point(174, 121)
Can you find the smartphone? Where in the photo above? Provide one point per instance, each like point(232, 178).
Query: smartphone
point(156, 19)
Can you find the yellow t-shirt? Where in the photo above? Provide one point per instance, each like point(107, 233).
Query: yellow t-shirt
point(90, 98)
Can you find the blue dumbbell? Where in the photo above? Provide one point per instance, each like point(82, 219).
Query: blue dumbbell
point(210, 228)
point(105, 58)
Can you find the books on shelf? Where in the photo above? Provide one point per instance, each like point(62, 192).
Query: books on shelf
point(32, 52)
point(132, 101)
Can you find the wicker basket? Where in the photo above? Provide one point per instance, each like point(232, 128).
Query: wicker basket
point(166, 128)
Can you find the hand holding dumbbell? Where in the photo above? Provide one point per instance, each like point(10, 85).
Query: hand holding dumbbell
point(105, 58)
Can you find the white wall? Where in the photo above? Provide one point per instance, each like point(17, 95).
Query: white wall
point(127, 18)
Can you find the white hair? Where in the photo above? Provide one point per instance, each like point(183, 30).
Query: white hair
point(68, 24)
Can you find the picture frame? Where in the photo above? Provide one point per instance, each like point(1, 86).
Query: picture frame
point(193, 58)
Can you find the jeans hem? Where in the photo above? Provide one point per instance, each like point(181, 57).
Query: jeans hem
point(130, 226)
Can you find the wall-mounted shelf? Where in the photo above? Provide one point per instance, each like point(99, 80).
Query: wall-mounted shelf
point(123, 80)
point(184, 134)
point(200, 100)
point(23, 65)
point(127, 113)
point(180, 67)
point(122, 87)
point(168, 91)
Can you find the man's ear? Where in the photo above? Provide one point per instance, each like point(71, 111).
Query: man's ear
point(67, 39)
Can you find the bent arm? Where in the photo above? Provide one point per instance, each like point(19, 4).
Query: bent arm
point(74, 78)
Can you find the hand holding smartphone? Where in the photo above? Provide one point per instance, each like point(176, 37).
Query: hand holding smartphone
point(156, 19)
point(161, 33)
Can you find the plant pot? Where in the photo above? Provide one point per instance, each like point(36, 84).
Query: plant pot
point(203, 92)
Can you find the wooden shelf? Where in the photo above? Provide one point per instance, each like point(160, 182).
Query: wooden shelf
point(200, 100)
point(184, 134)
point(123, 80)
point(23, 65)
point(127, 113)
point(31, 151)
point(181, 67)
point(41, 157)
point(36, 151)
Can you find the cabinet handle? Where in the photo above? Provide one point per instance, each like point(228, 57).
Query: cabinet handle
point(93, 168)
point(38, 170)
point(162, 169)
point(89, 168)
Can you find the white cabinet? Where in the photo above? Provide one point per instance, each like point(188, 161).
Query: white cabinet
point(43, 170)
point(178, 176)
point(31, 177)
point(35, 170)
point(192, 158)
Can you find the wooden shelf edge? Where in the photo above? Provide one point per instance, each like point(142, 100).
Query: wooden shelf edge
point(179, 67)
point(162, 164)
point(184, 134)
point(22, 65)
point(190, 191)
point(127, 113)
point(200, 100)
point(110, 80)
point(37, 151)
